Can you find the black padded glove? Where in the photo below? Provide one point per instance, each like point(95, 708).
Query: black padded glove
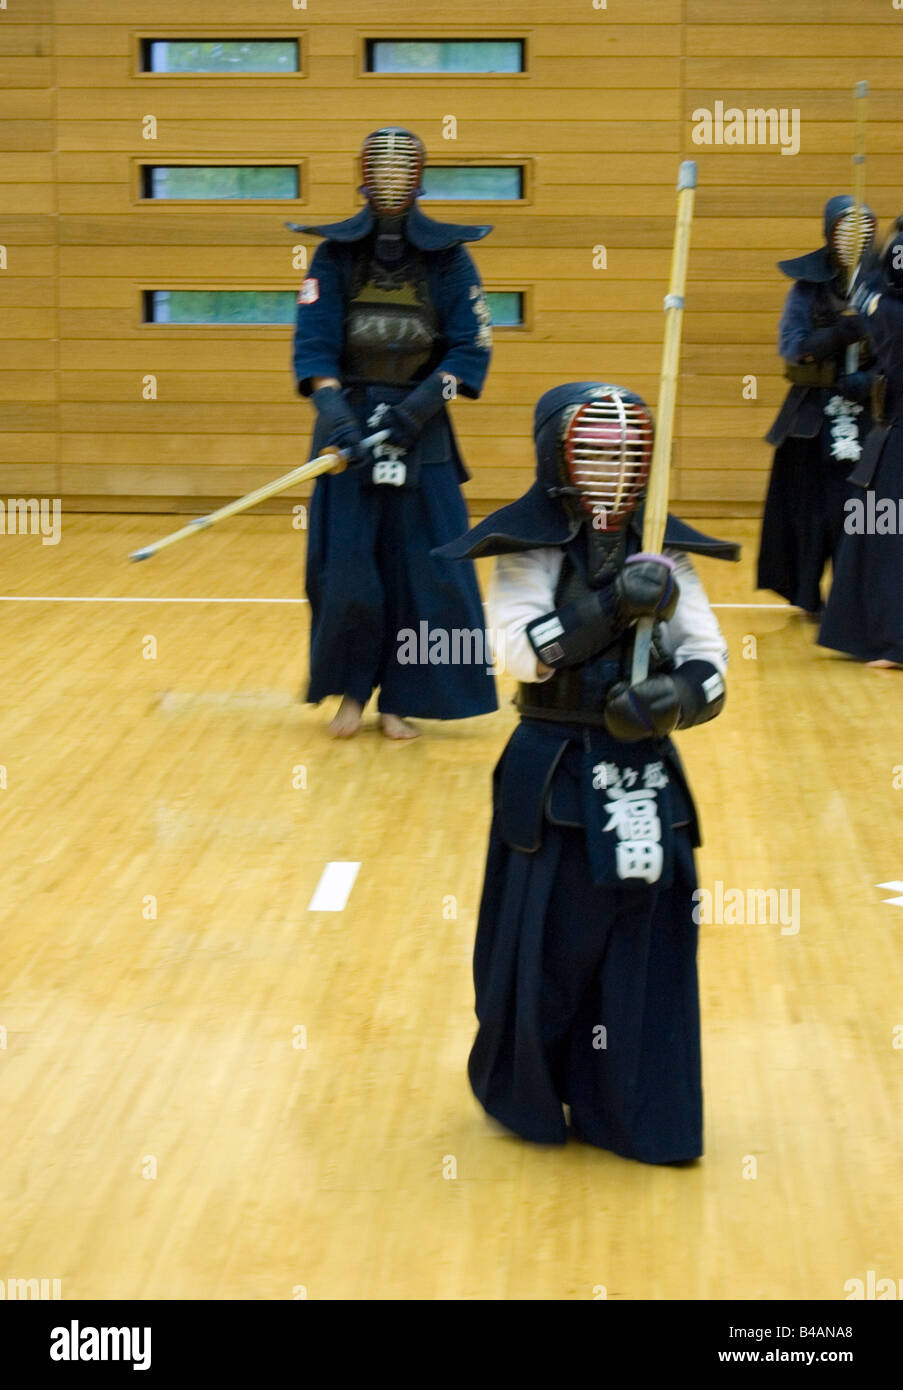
point(341, 423)
point(406, 420)
point(694, 694)
point(825, 342)
point(647, 588)
point(648, 710)
point(856, 386)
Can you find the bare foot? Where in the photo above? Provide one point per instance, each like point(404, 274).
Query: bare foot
point(347, 719)
point(885, 665)
point(395, 727)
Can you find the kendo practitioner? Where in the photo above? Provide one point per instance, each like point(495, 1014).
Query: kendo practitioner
point(585, 955)
point(820, 428)
point(864, 613)
point(392, 322)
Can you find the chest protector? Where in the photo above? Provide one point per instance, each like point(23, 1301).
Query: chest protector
point(576, 695)
point(391, 326)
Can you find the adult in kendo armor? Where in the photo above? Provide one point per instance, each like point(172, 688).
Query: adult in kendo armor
point(864, 613)
point(585, 955)
point(820, 428)
point(392, 322)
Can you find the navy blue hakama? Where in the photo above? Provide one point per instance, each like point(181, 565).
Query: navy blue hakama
point(556, 957)
point(864, 613)
point(370, 577)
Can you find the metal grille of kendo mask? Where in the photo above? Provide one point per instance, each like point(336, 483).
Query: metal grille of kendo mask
point(392, 165)
point(851, 234)
point(607, 456)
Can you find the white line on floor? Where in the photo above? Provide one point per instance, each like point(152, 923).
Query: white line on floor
point(334, 889)
point(72, 598)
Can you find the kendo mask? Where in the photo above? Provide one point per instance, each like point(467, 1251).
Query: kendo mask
point(849, 234)
point(392, 163)
point(594, 451)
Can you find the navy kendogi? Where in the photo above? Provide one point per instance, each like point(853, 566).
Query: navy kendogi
point(864, 613)
point(392, 322)
point(819, 431)
point(585, 954)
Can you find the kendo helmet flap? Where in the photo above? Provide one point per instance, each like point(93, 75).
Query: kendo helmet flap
point(597, 445)
point(392, 161)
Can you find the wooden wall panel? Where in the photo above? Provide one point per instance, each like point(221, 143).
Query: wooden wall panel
point(603, 116)
point(29, 434)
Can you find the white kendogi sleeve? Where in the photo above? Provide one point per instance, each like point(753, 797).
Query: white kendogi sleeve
point(522, 588)
point(692, 634)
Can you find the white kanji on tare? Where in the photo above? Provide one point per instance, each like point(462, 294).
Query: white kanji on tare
point(844, 429)
point(633, 814)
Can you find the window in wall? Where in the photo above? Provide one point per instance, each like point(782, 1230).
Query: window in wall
point(506, 308)
point(445, 55)
point(472, 182)
point(220, 181)
point(220, 55)
point(220, 306)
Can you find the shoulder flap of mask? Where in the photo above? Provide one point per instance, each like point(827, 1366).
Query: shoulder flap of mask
point(679, 535)
point(534, 522)
point(429, 235)
point(352, 229)
point(815, 267)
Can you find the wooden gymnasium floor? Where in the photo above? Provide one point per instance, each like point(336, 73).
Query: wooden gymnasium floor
point(359, 1166)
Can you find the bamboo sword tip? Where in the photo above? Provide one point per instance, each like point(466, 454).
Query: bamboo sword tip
point(687, 176)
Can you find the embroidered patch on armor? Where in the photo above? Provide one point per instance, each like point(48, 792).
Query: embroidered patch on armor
point(483, 316)
point(309, 292)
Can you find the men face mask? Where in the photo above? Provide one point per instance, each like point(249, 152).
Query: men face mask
point(392, 163)
point(607, 454)
point(851, 235)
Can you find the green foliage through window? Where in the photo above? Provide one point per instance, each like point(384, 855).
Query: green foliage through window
point(220, 55)
point(220, 306)
point(470, 183)
point(446, 55)
point(220, 181)
point(506, 308)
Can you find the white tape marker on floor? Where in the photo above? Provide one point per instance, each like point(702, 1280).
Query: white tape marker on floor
point(334, 889)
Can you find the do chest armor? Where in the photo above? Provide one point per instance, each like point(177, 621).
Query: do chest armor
point(391, 325)
point(577, 695)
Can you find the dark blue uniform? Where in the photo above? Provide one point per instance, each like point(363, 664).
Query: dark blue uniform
point(370, 574)
point(864, 613)
point(585, 954)
point(818, 436)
